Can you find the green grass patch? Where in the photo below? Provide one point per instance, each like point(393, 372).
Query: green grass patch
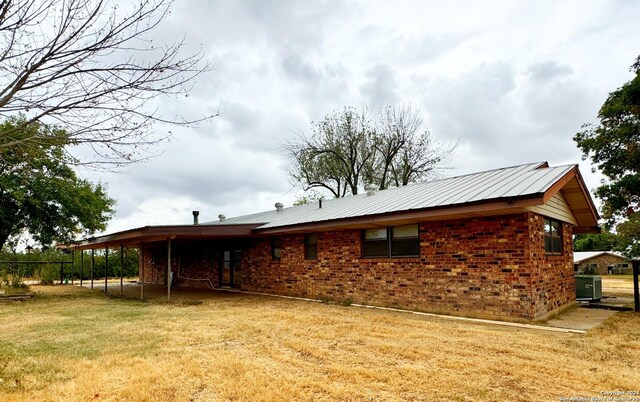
point(78, 325)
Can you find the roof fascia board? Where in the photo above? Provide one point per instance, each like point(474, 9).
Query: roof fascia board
point(156, 233)
point(560, 183)
point(557, 186)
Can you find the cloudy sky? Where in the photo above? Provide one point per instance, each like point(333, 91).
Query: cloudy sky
point(512, 82)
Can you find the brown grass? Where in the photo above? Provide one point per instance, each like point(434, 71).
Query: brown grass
point(75, 344)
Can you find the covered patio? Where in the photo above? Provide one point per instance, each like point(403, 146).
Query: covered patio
point(158, 293)
point(193, 256)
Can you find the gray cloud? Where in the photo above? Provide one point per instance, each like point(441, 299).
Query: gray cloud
point(542, 73)
point(489, 76)
point(380, 88)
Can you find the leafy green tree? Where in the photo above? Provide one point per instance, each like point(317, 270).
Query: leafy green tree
point(39, 192)
point(614, 147)
point(596, 241)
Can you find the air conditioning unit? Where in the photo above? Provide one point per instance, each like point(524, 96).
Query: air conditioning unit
point(588, 287)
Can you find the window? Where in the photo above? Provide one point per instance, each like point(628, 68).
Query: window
point(405, 241)
point(311, 246)
point(276, 248)
point(395, 241)
point(375, 243)
point(552, 236)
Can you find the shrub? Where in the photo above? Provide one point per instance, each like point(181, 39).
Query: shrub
point(12, 277)
point(48, 274)
point(346, 302)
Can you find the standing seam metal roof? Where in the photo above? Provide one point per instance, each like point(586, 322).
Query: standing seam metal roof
point(516, 181)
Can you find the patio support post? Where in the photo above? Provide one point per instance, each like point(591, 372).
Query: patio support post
point(62, 273)
point(636, 292)
point(81, 266)
point(73, 264)
point(106, 267)
point(168, 269)
point(141, 270)
point(121, 267)
point(93, 264)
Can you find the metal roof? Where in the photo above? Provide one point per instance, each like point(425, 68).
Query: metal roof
point(504, 183)
point(579, 256)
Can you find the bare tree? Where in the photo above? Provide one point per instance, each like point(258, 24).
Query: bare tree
point(90, 67)
point(407, 150)
point(346, 150)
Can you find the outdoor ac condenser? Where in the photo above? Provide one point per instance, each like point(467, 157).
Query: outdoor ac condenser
point(588, 287)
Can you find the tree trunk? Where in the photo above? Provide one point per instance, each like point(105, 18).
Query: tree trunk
point(3, 238)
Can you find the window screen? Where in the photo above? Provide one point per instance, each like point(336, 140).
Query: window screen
point(276, 248)
point(552, 236)
point(405, 241)
point(311, 246)
point(375, 243)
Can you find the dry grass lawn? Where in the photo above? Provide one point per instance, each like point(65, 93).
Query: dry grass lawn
point(618, 285)
point(76, 344)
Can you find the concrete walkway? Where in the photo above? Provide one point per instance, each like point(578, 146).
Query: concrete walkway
point(577, 320)
point(581, 318)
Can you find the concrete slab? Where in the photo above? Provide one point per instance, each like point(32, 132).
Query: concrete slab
point(576, 320)
point(581, 318)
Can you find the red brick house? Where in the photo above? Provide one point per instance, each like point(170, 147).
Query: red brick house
point(490, 244)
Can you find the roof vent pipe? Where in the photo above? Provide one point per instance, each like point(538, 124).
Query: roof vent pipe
point(222, 217)
point(371, 189)
point(320, 203)
point(195, 217)
point(279, 206)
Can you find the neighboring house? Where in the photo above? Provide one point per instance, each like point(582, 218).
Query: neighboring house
point(601, 263)
point(490, 244)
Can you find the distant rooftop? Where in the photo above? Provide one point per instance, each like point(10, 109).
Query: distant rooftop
point(579, 256)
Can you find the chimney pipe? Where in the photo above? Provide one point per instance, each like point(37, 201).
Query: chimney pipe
point(222, 217)
point(279, 206)
point(195, 217)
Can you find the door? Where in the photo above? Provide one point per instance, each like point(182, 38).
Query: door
point(231, 273)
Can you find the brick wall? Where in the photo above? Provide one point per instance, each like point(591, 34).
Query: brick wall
point(553, 279)
point(603, 261)
point(483, 267)
point(153, 264)
point(486, 267)
point(193, 264)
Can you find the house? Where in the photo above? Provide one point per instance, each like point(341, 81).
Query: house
point(601, 263)
point(491, 244)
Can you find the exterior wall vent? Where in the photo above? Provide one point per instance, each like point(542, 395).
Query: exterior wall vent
point(279, 206)
point(195, 217)
point(222, 217)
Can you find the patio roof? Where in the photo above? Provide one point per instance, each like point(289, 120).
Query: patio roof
point(149, 234)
